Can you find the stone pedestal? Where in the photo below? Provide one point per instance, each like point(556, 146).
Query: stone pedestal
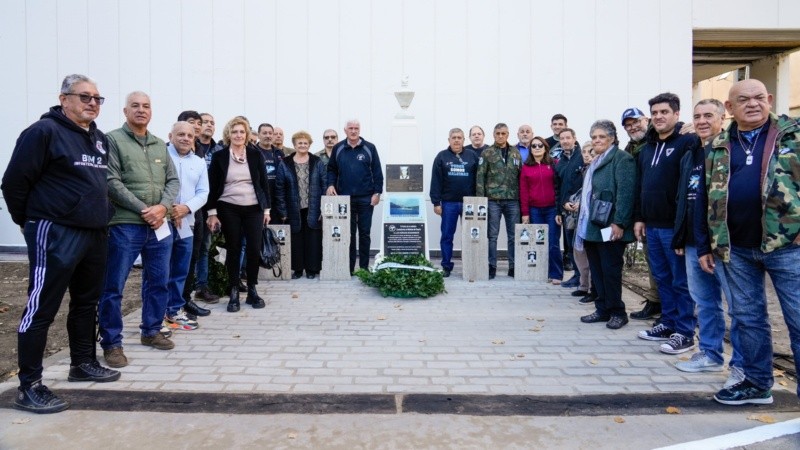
point(531, 252)
point(335, 237)
point(474, 239)
point(284, 235)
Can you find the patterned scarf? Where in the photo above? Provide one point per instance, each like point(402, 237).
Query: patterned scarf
point(586, 196)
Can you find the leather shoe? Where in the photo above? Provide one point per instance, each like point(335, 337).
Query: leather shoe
point(595, 317)
point(194, 308)
point(588, 299)
point(205, 295)
point(511, 272)
point(446, 273)
point(253, 298)
point(571, 283)
point(492, 272)
point(241, 287)
point(296, 275)
point(617, 322)
point(311, 275)
point(650, 311)
point(233, 303)
point(580, 293)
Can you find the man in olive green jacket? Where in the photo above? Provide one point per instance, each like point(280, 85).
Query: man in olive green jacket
point(143, 185)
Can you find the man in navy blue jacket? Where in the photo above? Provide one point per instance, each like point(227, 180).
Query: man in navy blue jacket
point(655, 211)
point(355, 170)
point(452, 178)
point(56, 191)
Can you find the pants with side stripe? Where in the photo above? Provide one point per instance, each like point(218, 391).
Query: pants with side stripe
point(60, 258)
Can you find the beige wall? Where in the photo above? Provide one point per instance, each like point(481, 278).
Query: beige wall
point(794, 99)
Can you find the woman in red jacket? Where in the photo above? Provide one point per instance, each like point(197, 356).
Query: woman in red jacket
point(537, 193)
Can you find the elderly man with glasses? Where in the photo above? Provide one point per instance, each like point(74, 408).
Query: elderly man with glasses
point(329, 139)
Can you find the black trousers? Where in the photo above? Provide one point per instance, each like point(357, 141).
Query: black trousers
point(199, 232)
point(360, 227)
point(605, 263)
point(60, 258)
point(238, 221)
point(306, 247)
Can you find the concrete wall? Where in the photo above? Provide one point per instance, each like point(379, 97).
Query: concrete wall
point(311, 64)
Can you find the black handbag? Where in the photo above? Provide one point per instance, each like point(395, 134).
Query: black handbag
point(600, 212)
point(270, 257)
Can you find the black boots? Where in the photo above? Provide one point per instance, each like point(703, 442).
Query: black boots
point(233, 304)
point(253, 298)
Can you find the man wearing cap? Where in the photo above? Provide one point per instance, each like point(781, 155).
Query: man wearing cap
point(636, 123)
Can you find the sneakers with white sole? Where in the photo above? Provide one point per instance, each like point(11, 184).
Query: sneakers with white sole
point(677, 344)
point(699, 362)
point(735, 377)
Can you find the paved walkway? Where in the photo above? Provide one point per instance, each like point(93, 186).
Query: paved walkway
point(496, 337)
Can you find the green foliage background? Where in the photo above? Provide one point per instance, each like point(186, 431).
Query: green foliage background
point(404, 283)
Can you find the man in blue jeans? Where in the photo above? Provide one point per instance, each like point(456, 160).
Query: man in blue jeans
point(498, 179)
point(191, 198)
point(452, 178)
point(355, 170)
point(706, 288)
point(654, 211)
point(142, 184)
point(752, 225)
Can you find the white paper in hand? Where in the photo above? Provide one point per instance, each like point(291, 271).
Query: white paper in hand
point(185, 230)
point(163, 231)
point(606, 233)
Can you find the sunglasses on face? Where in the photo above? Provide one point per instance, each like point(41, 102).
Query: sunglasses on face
point(86, 98)
point(537, 145)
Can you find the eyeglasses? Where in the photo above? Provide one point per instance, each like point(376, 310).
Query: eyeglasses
point(86, 98)
point(329, 137)
point(537, 145)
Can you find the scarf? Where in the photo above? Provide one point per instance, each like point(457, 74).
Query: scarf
point(586, 196)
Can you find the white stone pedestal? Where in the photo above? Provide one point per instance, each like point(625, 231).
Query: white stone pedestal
point(335, 237)
point(531, 252)
point(474, 239)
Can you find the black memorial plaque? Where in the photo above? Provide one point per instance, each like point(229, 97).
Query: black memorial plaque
point(404, 238)
point(404, 178)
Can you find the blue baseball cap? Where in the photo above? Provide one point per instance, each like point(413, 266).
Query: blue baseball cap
point(632, 113)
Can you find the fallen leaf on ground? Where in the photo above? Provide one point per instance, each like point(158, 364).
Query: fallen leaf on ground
point(535, 329)
point(673, 410)
point(4, 309)
point(778, 372)
point(520, 355)
point(295, 295)
point(20, 421)
point(292, 435)
point(763, 418)
point(498, 341)
point(529, 318)
point(422, 340)
point(540, 320)
point(593, 361)
point(783, 383)
point(237, 335)
point(619, 419)
point(381, 317)
point(683, 358)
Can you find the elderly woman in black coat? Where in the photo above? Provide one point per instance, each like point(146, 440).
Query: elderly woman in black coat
point(299, 187)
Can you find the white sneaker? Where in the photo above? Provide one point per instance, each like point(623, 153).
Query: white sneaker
point(699, 362)
point(736, 376)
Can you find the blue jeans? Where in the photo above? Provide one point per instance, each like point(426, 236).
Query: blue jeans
point(201, 271)
point(510, 210)
point(669, 270)
point(361, 220)
point(125, 242)
point(451, 211)
point(745, 275)
point(555, 265)
point(707, 292)
point(178, 270)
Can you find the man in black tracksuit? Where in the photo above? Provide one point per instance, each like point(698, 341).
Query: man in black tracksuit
point(452, 178)
point(355, 170)
point(56, 191)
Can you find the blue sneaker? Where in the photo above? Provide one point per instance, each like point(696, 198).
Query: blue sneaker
point(743, 393)
point(572, 282)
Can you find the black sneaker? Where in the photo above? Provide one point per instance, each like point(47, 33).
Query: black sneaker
point(657, 333)
point(572, 282)
point(677, 344)
point(511, 272)
point(492, 272)
point(742, 393)
point(588, 298)
point(445, 273)
point(649, 311)
point(92, 371)
point(38, 399)
point(579, 293)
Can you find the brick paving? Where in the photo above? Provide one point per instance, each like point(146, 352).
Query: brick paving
point(496, 337)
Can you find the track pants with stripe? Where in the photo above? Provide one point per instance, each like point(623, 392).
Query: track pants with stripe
point(60, 258)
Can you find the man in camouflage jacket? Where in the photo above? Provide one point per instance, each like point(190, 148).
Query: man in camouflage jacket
point(498, 179)
point(752, 227)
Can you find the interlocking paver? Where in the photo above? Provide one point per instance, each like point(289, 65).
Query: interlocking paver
point(496, 337)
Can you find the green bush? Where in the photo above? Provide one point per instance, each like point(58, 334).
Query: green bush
point(217, 275)
point(404, 283)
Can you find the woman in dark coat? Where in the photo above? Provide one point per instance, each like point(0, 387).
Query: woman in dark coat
point(299, 187)
point(610, 177)
point(238, 205)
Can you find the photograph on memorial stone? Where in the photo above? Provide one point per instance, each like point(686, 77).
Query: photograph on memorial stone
point(342, 210)
point(469, 211)
point(336, 233)
point(475, 233)
point(328, 210)
point(532, 258)
point(524, 237)
point(540, 236)
point(281, 235)
point(481, 212)
point(404, 177)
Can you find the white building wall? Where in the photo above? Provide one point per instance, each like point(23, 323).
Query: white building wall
point(311, 64)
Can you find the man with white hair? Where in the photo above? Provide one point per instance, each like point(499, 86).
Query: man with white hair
point(355, 170)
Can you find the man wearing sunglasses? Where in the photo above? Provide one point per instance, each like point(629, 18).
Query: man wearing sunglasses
point(329, 139)
point(56, 191)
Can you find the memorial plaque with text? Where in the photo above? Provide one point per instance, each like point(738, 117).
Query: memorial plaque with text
point(404, 178)
point(404, 238)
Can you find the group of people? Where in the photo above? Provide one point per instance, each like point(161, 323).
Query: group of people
point(90, 203)
point(717, 208)
point(714, 208)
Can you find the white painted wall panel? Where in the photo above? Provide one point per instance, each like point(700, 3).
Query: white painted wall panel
point(311, 64)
